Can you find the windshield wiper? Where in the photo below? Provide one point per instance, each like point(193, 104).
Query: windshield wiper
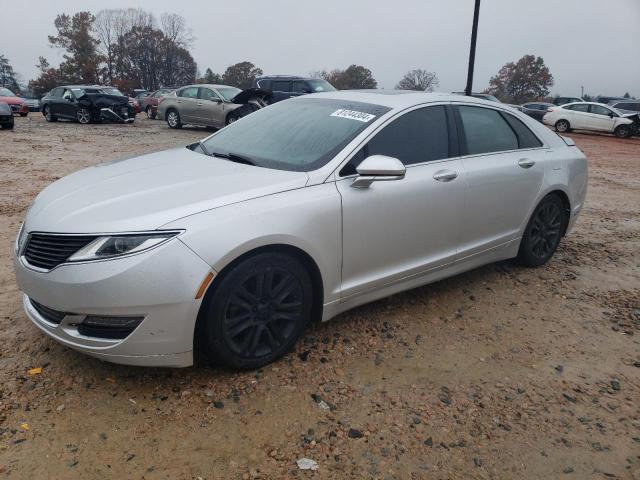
point(233, 157)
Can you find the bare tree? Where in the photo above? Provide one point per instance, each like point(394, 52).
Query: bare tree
point(418, 79)
point(175, 28)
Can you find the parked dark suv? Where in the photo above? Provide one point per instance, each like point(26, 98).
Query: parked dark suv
point(286, 86)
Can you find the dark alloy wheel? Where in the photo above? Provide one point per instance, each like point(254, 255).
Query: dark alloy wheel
point(257, 311)
point(48, 115)
point(83, 115)
point(543, 233)
point(562, 126)
point(623, 131)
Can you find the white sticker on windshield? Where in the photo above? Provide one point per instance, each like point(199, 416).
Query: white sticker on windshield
point(353, 115)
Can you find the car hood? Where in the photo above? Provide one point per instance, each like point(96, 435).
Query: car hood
point(245, 95)
point(144, 193)
point(12, 100)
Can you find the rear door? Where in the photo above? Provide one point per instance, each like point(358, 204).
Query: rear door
point(55, 100)
point(187, 102)
point(503, 164)
point(578, 115)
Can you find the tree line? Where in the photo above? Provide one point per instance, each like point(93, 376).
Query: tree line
point(131, 48)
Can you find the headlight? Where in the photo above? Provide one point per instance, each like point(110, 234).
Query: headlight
point(22, 234)
point(118, 245)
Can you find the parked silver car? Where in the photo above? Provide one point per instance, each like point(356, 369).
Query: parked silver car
point(232, 246)
point(209, 105)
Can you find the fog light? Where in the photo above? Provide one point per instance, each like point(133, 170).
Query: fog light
point(108, 327)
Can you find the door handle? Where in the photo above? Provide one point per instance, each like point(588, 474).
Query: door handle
point(199, 104)
point(526, 163)
point(445, 175)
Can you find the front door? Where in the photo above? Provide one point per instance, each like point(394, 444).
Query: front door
point(210, 108)
point(504, 164)
point(400, 228)
point(601, 118)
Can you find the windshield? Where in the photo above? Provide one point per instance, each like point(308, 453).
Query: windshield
point(5, 92)
point(297, 135)
point(321, 86)
point(228, 92)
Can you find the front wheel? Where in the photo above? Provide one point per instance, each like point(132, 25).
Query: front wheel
point(257, 311)
point(49, 117)
point(233, 117)
point(150, 114)
point(173, 119)
point(622, 131)
point(543, 233)
point(83, 116)
point(562, 126)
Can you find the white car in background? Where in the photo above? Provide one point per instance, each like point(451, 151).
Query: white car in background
point(597, 117)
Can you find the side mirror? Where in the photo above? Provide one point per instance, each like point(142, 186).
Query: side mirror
point(378, 168)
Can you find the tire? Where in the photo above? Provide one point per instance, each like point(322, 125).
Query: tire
point(46, 111)
point(256, 312)
point(7, 126)
point(83, 115)
point(622, 131)
point(149, 112)
point(24, 114)
point(543, 233)
point(563, 126)
point(173, 119)
point(233, 117)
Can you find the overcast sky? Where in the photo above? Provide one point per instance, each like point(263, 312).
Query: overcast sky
point(584, 42)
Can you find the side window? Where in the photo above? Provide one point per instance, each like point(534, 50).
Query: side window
point(580, 107)
point(526, 138)
point(485, 131)
point(600, 110)
point(208, 94)
point(281, 86)
point(418, 136)
point(67, 95)
point(189, 92)
point(300, 86)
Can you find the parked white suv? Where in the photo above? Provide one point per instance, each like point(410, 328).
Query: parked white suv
point(589, 116)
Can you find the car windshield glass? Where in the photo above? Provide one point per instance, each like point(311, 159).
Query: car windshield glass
point(297, 135)
point(5, 92)
point(228, 92)
point(321, 86)
point(112, 91)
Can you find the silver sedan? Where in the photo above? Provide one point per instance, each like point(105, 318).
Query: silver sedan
point(232, 246)
point(209, 105)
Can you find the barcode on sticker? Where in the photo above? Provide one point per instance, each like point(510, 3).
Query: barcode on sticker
point(353, 115)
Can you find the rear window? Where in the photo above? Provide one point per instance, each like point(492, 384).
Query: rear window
point(526, 138)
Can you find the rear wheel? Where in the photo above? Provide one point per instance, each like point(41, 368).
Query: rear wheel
point(257, 311)
point(622, 131)
point(173, 119)
point(562, 126)
point(83, 115)
point(543, 233)
point(9, 125)
point(48, 115)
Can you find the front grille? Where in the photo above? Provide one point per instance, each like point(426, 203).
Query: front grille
point(49, 314)
point(44, 250)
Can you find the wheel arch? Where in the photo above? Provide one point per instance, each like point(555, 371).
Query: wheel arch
point(296, 252)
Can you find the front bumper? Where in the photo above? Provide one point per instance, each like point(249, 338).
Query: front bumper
point(159, 285)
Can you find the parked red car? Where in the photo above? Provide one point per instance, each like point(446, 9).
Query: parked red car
point(16, 103)
point(149, 103)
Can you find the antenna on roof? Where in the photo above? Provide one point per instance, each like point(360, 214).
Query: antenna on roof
point(472, 52)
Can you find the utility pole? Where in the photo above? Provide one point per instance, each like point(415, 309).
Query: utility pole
point(472, 52)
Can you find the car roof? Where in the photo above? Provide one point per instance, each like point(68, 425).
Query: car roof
point(398, 98)
point(210, 85)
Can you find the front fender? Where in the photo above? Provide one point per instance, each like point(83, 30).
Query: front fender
point(307, 218)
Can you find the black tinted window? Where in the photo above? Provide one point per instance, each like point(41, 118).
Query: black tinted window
point(526, 138)
point(57, 92)
point(301, 87)
point(486, 131)
point(416, 137)
point(281, 86)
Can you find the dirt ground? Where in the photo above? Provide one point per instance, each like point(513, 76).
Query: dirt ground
point(499, 373)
